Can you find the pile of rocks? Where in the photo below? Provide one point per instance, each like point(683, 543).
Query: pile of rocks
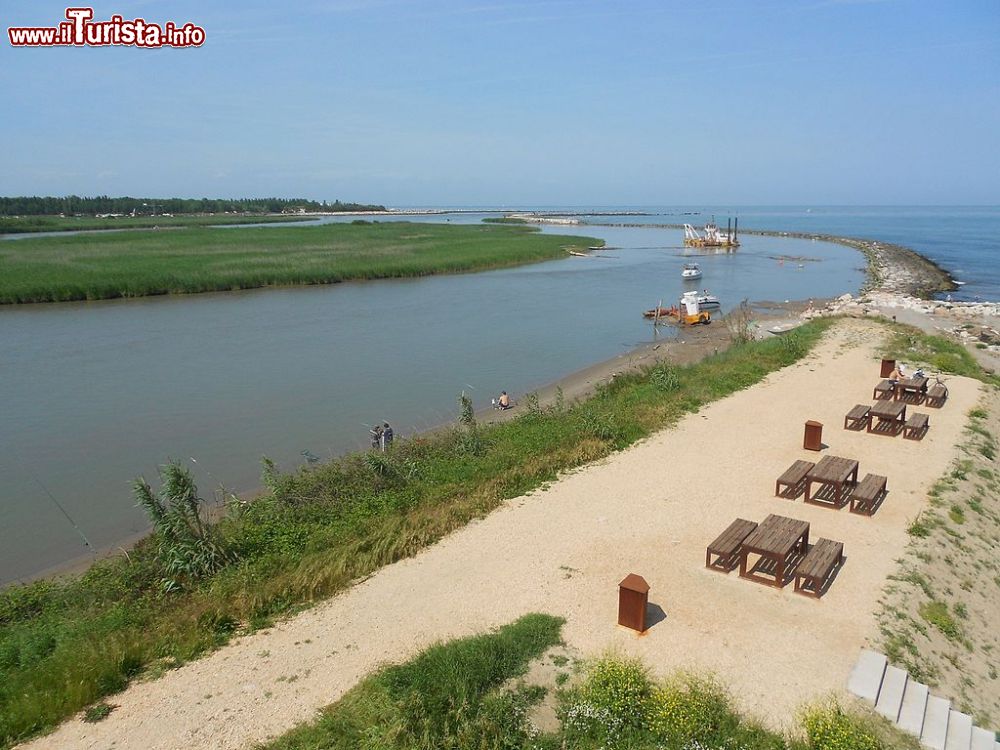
point(971, 322)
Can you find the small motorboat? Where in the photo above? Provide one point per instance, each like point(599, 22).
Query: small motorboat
point(690, 271)
point(708, 300)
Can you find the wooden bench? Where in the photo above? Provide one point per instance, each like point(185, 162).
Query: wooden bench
point(857, 418)
point(883, 390)
point(793, 477)
point(727, 545)
point(817, 566)
point(916, 426)
point(868, 494)
point(936, 396)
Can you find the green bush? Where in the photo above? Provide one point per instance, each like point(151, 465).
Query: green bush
point(689, 708)
point(830, 728)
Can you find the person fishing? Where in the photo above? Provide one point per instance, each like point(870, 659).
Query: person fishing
point(376, 435)
point(387, 437)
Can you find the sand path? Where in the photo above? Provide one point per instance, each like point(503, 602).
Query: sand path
point(650, 510)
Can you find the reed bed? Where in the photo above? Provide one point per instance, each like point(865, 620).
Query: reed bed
point(187, 261)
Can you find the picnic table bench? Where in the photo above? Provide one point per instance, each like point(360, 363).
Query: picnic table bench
point(936, 396)
point(891, 416)
point(912, 389)
point(867, 496)
point(792, 478)
point(857, 417)
point(817, 566)
point(726, 547)
point(916, 426)
point(883, 390)
point(776, 540)
point(833, 471)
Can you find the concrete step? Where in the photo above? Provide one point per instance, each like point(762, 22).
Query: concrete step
point(983, 739)
point(866, 677)
point(935, 729)
point(959, 731)
point(911, 714)
point(890, 696)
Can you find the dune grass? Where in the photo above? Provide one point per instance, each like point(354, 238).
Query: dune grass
point(446, 697)
point(936, 353)
point(65, 644)
point(142, 263)
point(460, 696)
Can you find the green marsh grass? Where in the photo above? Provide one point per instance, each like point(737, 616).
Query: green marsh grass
point(65, 644)
point(19, 224)
point(142, 263)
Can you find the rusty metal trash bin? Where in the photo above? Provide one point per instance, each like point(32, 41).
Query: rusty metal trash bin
point(888, 365)
point(813, 438)
point(633, 594)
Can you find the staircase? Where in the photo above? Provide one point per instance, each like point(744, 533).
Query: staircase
point(913, 709)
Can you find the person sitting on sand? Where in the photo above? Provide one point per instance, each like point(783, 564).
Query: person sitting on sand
point(504, 401)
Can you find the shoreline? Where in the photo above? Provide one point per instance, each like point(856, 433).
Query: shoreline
point(697, 343)
point(895, 275)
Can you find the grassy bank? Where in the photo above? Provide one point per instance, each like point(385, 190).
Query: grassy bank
point(461, 695)
point(142, 263)
point(20, 224)
point(65, 644)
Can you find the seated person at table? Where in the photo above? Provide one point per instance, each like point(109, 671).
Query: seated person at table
point(896, 375)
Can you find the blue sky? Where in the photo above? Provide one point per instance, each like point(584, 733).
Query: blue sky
point(517, 103)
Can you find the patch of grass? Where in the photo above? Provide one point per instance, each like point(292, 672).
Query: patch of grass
point(937, 353)
point(446, 697)
point(97, 712)
point(142, 263)
point(921, 526)
point(957, 514)
point(936, 613)
point(66, 644)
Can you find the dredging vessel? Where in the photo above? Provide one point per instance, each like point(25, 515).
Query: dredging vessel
point(713, 236)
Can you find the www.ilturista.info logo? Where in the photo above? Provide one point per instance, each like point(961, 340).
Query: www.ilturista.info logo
point(80, 30)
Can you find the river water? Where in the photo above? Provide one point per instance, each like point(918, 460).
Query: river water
point(96, 393)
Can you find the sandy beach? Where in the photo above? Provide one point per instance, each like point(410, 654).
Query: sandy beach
point(651, 510)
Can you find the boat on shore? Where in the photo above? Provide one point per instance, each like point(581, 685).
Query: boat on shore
point(705, 299)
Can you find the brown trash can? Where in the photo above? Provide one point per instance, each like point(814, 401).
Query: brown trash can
point(888, 365)
point(633, 594)
point(813, 438)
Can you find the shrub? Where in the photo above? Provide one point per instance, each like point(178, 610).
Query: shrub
point(187, 547)
point(830, 728)
point(611, 704)
point(689, 708)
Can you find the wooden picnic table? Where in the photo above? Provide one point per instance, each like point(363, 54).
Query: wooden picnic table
point(775, 540)
point(916, 385)
point(890, 414)
point(835, 471)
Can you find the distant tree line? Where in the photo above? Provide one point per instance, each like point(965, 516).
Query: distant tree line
point(75, 205)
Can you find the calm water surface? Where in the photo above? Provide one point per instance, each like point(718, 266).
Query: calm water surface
point(95, 394)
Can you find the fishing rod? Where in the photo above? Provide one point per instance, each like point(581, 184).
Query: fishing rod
point(62, 510)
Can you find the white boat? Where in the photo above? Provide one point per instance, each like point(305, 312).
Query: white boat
point(691, 271)
point(708, 300)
